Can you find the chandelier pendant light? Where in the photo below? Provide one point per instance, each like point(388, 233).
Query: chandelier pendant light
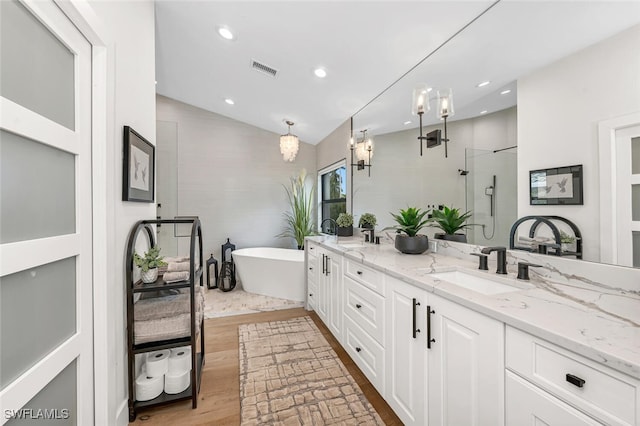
point(289, 144)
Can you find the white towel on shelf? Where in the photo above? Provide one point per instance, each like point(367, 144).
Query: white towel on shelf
point(533, 242)
point(178, 266)
point(174, 277)
point(175, 259)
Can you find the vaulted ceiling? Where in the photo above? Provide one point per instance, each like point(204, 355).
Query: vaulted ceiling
point(364, 46)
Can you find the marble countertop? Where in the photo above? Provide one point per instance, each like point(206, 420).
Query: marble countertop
point(600, 322)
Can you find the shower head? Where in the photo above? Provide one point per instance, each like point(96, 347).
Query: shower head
point(463, 172)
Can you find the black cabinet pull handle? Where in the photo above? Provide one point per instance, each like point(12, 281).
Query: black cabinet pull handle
point(415, 330)
point(310, 294)
point(358, 349)
point(311, 268)
point(575, 380)
point(358, 305)
point(327, 272)
point(429, 339)
point(311, 248)
point(323, 264)
point(359, 272)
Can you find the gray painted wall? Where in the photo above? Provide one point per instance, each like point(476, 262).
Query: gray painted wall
point(231, 175)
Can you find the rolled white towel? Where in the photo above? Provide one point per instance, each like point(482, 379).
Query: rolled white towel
point(175, 259)
point(174, 277)
point(178, 266)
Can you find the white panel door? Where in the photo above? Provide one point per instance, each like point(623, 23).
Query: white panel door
point(628, 196)
point(45, 216)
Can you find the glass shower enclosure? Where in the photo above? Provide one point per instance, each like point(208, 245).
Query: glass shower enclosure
point(491, 194)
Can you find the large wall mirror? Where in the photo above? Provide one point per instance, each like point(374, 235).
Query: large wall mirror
point(556, 72)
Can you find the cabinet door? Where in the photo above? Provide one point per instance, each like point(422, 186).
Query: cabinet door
point(529, 405)
point(334, 294)
point(321, 305)
point(466, 365)
point(405, 389)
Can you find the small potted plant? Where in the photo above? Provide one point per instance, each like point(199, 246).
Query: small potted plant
point(149, 264)
point(345, 225)
point(410, 221)
point(450, 221)
point(567, 241)
point(367, 221)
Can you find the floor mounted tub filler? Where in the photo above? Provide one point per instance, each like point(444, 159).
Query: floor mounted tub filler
point(274, 272)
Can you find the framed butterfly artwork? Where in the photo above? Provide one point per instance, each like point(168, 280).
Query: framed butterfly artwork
point(138, 171)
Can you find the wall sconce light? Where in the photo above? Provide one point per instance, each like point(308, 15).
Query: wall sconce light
point(363, 151)
point(420, 105)
point(289, 144)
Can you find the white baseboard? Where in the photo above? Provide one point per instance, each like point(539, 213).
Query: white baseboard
point(122, 417)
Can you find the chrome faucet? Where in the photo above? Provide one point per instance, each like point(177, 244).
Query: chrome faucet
point(333, 222)
point(502, 257)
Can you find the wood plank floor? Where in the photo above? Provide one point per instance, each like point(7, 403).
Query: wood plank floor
point(219, 399)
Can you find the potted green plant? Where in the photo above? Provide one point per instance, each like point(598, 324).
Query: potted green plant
point(450, 221)
point(410, 221)
point(567, 241)
point(149, 264)
point(298, 220)
point(367, 221)
point(345, 224)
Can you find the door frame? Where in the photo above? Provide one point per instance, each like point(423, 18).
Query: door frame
point(608, 183)
point(82, 15)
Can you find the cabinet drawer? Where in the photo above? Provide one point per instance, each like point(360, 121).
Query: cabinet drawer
point(527, 404)
point(366, 353)
point(599, 391)
point(364, 275)
point(365, 308)
point(312, 295)
point(312, 250)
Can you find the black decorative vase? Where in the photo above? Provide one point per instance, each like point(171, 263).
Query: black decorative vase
point(412, 245)
point(459, 238)
point(345, 231)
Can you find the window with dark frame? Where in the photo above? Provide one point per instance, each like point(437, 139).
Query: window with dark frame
point(334, 196)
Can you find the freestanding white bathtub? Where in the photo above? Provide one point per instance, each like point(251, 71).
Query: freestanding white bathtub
point(274, 272)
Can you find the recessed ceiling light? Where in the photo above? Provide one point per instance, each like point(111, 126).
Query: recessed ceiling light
point(226, 33)
point(504, 92)
point(229, 101)
point(407, 122)
point(484, 83)
point(483, 112)
point(320, 72)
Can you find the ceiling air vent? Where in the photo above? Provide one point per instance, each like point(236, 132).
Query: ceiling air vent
point(265, 69)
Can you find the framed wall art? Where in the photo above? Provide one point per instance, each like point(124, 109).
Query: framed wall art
point(138, 170)
point(557, 186)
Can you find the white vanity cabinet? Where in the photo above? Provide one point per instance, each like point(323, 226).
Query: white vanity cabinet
point(365, 320)
point(312, 275)
point(406, 351)
point(324, 285)
point(549, 383)
point(465, 365)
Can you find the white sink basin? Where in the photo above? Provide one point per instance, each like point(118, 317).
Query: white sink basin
point(476, 283)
